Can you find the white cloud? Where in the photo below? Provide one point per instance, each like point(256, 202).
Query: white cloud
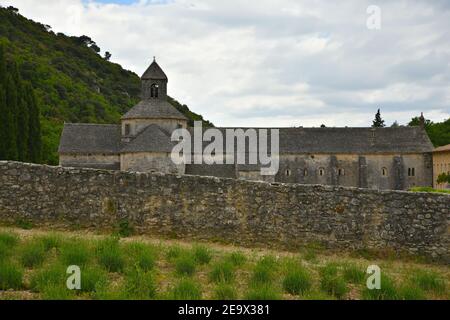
point(276, 63)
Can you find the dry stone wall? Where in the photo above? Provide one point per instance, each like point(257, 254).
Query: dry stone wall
point(234, 211)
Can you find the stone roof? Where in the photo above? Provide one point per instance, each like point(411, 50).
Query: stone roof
point(443, 148)
point(90, 138)
point(350, 140)
point(154, 109)
point(152, 139)
point(154, 72)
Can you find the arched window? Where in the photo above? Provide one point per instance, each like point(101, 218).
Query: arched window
point(341, 172)
point(411, 172)
point(305, 172)
point(154, 91)
point(288, 172)
point(384, 172)
point(127, 129)
point(321, 171)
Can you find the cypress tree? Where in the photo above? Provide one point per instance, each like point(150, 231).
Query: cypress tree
point(2, 65)
point(3, 109)
point(21, 115)
point(378, 122)
point(34, 126)
point(10, 127)
point(3, 119)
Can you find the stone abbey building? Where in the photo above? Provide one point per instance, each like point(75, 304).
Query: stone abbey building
point(376, 158)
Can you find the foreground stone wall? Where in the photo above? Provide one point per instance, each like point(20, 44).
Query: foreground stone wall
point(235, 211)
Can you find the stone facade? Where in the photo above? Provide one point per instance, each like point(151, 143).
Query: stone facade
point(441, 164)
point(240, 212)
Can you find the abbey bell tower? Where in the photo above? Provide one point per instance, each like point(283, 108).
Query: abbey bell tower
point(154, 83)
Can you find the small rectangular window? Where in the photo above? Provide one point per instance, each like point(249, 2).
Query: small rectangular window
point(127, 130)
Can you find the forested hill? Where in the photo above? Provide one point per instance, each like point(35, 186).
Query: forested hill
point(72, 82)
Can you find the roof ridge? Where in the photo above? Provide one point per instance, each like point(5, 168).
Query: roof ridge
point(90, 124)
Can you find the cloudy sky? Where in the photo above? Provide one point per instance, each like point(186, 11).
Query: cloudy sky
point(276, 63)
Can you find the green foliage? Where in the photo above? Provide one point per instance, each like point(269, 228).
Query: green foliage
point(139, 285)
point(411, 292)
point(222, 272)
point(237, 258)
point(297, 280)
point(71, 81)
point(185, 265)
point(264, 271)
point(124, 228)
point(50, 276)
point(11, 276)
point(32, 254)
point(353, 273)
point(202, 254)
point(56, 292)
point(186, 289)
point(428, 280)
point(331, 282)
point(439, 132)
point(387, 291)
point(443, 178)
point(24, 224)
point(75, 252)
point(428, 189)
point(263, 292)
point(110, 255)
point(141, 255)
point(378, 122)
point(91, 278)
point(51, 241)
point(224, 291)
point(9, 239)
point(174, 252)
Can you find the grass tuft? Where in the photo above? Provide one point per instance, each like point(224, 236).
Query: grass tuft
point(91, 278)
point(202, 254)
point(185, 265)
point(331, 283)
point(225, 291)
point(297, 280)
point(75, 252)
point(353, 273)
point(186, 289)
point(51, 241)
point(11, 276)
point(264, 271)
point(139, 285)
point(263, 292)
point(387, 291)
point(9, 239)
point(110, 255)
point(32, 254)
point(237, 258)
point(411, 292)
point(222, 272)
point(141, 255)
point(53, 275)
point(429, 281)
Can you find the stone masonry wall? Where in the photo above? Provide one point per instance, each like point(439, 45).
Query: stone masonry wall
point(235, 211)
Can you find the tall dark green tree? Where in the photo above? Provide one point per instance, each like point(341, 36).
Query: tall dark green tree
point(3, 108)
point(34, 126)
point(10, 127)
point(378, 122)
point(21, 114)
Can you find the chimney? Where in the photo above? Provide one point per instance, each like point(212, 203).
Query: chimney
point(422, 121)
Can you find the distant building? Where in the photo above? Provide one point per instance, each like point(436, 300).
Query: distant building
point(377, 158)
point(441, 164)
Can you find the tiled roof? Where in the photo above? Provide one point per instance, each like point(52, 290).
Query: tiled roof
point(154, 109)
